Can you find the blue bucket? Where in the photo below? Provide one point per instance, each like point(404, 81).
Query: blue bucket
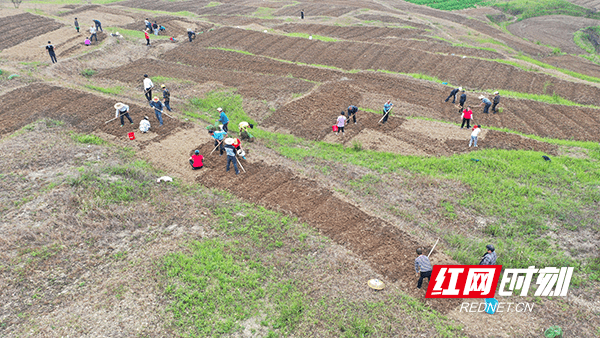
point(491, 305)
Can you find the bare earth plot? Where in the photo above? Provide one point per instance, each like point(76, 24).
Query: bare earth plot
point(22, 27)
point(591, 4)
point(554, 30)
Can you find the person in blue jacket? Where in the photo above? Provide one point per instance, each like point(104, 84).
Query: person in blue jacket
point(98, 25)
point(223, 119)
point(485, 101)
point(158, 108)
point(219, 136)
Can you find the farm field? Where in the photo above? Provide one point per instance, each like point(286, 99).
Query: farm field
point(93, 244)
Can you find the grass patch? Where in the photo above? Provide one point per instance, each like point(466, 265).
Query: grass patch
point(447, 5)
point(264, 13)
point(162, 80)
point(213, 4)
point(315, 37)
point(524, 9)
point(137, 35)
point(87, 139)
point(562, 70)
point(87, 72)
point(116, 90)
point(583, 38)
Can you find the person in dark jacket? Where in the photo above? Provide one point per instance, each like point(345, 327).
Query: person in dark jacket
point(98, 25)
point(490, 256)
point(155, 28)
point(461, 102)
point(190, 34)
point(166, 96)
point(453, 94)
point(50, 50)
point(495, 101)
point(423, 268)
point(352, 112)
point(302, 14)
point(158, 109)
point(77, 25)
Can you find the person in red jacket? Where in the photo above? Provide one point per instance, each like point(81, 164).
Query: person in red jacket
point(237, 144)
point(147, 37)
point(467, 115)
point(196, 160)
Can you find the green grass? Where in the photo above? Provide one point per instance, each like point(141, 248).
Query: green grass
point(116, 90)
point(264, 13)
point(518, 189)
point(88, 72)
point(448, 5)
point(524, 9)
point(166, 80)
point(206, 108)
point(213, 4)
point(87, 139)
point(562, 70)
point(582, 38)
point(315, 37)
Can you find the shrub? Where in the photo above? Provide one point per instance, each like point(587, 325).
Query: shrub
point(88, 72)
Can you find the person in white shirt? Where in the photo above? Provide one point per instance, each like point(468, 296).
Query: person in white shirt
point(122, 111)
point(93, 32)
point(144, 125)
point(474, 134)
point(148, 85)
point(341, 122)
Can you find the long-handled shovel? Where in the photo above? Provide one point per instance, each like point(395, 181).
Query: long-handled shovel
point(240, 164)
point(436, 242)
point(215, 148)
point(111, 120)
point(386, 114)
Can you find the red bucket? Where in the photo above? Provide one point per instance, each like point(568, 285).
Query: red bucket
point(335, 128)
point(131, 136)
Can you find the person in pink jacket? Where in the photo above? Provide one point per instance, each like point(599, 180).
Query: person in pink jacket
point(341, 122)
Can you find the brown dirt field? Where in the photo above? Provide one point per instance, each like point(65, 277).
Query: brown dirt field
point(392, 19)
point(262, 87)
point(361, 33)
point(554, 30)
point(315, 9)
point(388, 250)
point(22, 27)
point(420, 98)
point(354, 55)
point(234, 20)
point(576, 64)
point(84, 111)
point(197, 7)
point(176, 26)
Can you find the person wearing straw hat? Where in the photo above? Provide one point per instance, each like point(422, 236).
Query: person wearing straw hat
point(122, 110)
point(453, 94)
point(422, 267)
point(196, 160)
point(145, 125)
point(166, 96)
point(191, 34)
point(496, 101)
point(230, 149)
point(386, 110)
point(485, 101)
point(158, 109)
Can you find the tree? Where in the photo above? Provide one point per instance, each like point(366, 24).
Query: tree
point(16, 3)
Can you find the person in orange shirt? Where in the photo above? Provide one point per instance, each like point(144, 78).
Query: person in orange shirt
point(196, 160)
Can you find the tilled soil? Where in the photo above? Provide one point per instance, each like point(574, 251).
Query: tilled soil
point(354, 55)
point(316, 9)
point(84, 111)
point(22, 27)
point(175, 26)
point(262, 87)
point(198, 7)
point(392, 19)
point(387, 249)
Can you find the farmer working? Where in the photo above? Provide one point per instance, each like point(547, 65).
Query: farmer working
point(122, 111)
point(166, 96)
point(231, 155)
point(496, 101)
point(50, 50)
point(423, 268)
point(148, 85)
point(158, 109)
point(219, 136)
point(196, 160)
point(386, 110)
point(453, 94)
point(223, 119)
point(352, 112)
point(490, 256)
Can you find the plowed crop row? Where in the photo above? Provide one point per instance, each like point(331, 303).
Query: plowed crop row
point(526, 116)
point(22, 27)
point(467, 72)
point(386, 248)
point(391, 19)
point(84, 111)
point(198, 7)
point(398, 37)
point(172, 24)
point(315, 9)
point(261, 87)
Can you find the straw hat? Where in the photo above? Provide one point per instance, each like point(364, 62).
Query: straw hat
point(156, 99)
point(162, 86)
point(460, 89)
point(376, 284)
point(496, 93)
point(229, 141)
point(219, 109)
point(119, 105)
point(481, 97)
